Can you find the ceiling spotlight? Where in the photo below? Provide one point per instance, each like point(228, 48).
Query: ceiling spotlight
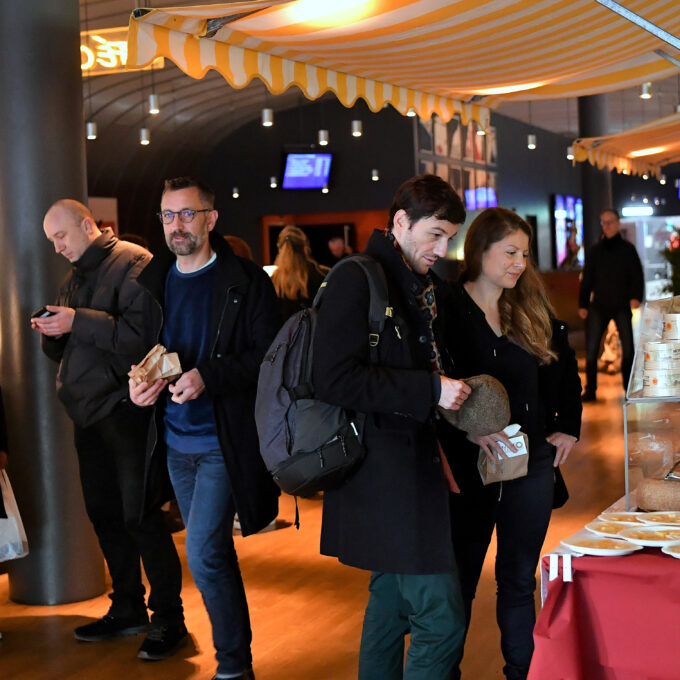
point(323, 137)
point(357, 128)
point(267, 117)
point(570, 153)
point(645, 175)
point(645, 200)
point(324, 189)
point(657, 201)
point(154, 106)
point(91, 129)
point(411, 113)
point(273, 182)
point(531, 142)
point(375, 175)
point(624, 171)
point(481, 131)
point(662, 179)
point(646, 91)
point(234, 192)
point(144, 137)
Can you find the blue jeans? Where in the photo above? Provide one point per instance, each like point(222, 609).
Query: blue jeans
point(206, 502)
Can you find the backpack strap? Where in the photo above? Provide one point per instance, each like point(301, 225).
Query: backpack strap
point(378, 305)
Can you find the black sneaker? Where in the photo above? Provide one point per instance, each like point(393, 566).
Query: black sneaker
point(112, 627)
point(162, 642)
point(246, 675)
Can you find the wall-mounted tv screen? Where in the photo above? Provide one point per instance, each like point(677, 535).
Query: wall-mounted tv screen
point(567, 231)
point(306, 170)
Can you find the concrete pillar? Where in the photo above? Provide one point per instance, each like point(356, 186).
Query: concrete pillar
point(42, 159)
point(596, 185)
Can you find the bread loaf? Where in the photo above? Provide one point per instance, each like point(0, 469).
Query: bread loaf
point(658, 494)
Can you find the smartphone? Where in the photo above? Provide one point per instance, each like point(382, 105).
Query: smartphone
point(41, 313)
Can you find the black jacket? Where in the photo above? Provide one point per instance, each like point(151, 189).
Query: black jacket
point(612, 274)
point(243, 324)
point(543, 398)
point(3, 445)
point(392, 514)
point(108, 328)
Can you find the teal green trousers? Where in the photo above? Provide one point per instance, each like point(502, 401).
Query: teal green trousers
point(430, 608)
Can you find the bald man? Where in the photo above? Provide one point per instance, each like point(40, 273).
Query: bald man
point(96, 331)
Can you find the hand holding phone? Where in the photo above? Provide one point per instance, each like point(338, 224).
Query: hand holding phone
point(41, 313)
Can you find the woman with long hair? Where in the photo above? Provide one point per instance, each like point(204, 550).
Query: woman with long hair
point(503, 325)
point(297, 276)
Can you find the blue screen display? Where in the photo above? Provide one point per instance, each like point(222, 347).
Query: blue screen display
point(306, 170)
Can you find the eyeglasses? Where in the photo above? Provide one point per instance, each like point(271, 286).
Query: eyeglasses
point(185, 216)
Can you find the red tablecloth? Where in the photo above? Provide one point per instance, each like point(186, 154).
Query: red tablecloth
point(618, 620)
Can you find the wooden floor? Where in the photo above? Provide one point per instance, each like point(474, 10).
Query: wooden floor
point(306, 609)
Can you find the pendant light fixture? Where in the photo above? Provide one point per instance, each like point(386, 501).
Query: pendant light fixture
point(357, 128)
point(273, 182)
point(570, 153)
point(90, 125)
point(662, 179)
point(646, 91)
point(154, 106)
point(531, 142)
point(324, 189)
point(375, 175)
point(145, 136)
point(91, 129)
point(267, 117)
point(234, 192)
point(323, 137)
point(411, 113)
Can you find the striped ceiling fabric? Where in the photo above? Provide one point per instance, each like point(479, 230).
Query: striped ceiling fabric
point(641, 150)
point(435, 56)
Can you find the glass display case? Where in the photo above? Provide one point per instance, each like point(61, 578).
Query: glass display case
point(651, 409)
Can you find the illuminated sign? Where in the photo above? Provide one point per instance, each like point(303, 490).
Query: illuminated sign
point(105, 51)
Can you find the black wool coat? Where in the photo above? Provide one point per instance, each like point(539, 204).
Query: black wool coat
point(392, 514)
point(543, 398)
point(243, 324)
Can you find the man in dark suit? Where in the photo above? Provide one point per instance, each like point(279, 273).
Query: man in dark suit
point(391, 516)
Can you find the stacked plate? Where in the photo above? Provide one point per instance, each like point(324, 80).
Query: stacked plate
point(621, 533)
point(661, 369)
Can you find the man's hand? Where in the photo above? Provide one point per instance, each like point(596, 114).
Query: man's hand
point(563, 443)
point(3, 459)
point(489, 444)
point(143, 394)
point(59, 323)
point(189, 386)
point(583, 312)
point(454, 393)
point(634, 304)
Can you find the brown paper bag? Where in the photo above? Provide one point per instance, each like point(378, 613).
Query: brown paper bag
point(158, 364)
point(504, 469)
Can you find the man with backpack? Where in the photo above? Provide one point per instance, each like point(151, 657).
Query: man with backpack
point(219, 313)
point(391, 514)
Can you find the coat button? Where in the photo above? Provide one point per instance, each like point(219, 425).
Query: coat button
point(422, 339)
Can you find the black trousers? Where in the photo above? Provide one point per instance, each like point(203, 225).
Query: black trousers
point(111, 455)
point(596, 325)
point(520, 511)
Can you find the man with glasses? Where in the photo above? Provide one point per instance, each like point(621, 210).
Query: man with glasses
point(612, 285)
point(219, 313)
point(95, 331)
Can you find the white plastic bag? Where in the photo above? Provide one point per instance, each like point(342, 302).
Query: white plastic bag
point(13, 542)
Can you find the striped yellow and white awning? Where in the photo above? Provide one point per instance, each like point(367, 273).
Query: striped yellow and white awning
point(644, 149)
point(431, 55)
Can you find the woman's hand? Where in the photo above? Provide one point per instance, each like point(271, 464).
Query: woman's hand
point(489, 444)
point(563, 443)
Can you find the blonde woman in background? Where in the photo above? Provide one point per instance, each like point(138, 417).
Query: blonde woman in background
point(297, 276)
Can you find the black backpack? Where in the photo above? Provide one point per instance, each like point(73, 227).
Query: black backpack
point(306, 444)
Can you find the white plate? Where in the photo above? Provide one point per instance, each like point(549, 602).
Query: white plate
point(611, 529)
point(621, 517)
point(672, 549)
point(601, 546)
point(669, 517)
point(651, 536)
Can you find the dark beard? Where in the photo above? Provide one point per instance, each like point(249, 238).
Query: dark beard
point(188, 247)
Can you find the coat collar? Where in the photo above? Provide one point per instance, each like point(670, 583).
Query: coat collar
point(230, 271)
point(96, 252)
